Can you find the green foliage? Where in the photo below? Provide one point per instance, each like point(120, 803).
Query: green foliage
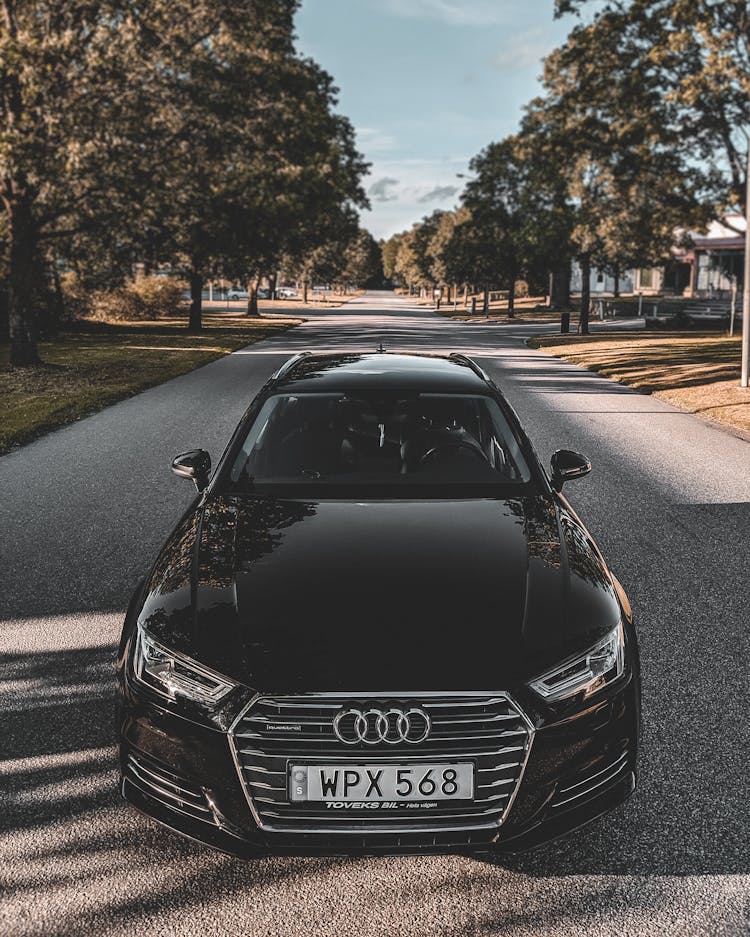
point(410, 257)
point(686, 68)
point(640, 133)
point(389, 251)
point(362, 261)
point(446, 264)
point(498, 200)
point(189, 132)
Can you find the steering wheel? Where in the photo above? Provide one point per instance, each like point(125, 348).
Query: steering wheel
point(462, 444)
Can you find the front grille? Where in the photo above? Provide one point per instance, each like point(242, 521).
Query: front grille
point(488, 729)
point(166, 786)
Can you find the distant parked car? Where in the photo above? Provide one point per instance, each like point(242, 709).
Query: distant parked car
point(235, 293)
point(286, 292)
point(186, 295)
point(263, 293)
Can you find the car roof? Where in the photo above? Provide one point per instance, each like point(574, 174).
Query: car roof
point(382, 371)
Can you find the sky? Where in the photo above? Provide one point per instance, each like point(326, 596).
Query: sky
point(427, 84)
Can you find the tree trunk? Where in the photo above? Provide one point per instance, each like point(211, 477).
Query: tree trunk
point(305, 285)
point(616, 290)
point(22, 313)
point(512, 297)
point(583, 321)
point(272, 282)
point(59, 311)
point(560, 296)
point(486, 300)
point(4, 332)
point(466, 295)
point(196, 300)
point(252, 297)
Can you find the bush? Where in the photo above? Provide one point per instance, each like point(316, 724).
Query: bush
point(144, 298)
point(159, 296)
point(76, 297)
point(113, 305)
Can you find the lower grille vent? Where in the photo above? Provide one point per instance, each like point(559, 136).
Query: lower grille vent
point(486, 729)
point(167, 787)
point(594, 781)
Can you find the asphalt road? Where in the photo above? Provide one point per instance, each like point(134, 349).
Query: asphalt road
point(82, 512)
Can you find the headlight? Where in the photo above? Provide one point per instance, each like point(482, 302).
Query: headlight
point(173, 674)
point(584, 673)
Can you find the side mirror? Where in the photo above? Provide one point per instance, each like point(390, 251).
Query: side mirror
point(566, 465)
point(195, 464)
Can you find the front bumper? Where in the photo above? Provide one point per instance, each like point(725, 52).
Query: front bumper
point(183, 773)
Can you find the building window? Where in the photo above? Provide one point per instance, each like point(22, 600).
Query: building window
point(647, 278)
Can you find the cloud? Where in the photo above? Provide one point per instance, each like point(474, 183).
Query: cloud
point(455, 12)
point(380, 190)
point(522, 50)
point(374, 140)
point(438, 194)
point(416, 178)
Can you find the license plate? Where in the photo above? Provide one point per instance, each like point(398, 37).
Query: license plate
point(381, 783)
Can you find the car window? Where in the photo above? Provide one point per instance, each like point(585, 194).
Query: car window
point(400, 440)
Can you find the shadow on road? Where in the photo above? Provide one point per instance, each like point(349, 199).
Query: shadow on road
point(63, 825)
point(57, 743)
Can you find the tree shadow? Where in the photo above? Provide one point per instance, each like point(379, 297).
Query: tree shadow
point(58, 734)
point(63, 824)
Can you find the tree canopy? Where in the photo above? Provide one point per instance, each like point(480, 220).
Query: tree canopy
point(188, 132)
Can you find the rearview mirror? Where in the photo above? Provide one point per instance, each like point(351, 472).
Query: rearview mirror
point(566, 465)
point(195, 464)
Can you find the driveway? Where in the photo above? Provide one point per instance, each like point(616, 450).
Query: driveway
point(83, 511)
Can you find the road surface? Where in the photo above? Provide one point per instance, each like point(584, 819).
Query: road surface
point(85, 508)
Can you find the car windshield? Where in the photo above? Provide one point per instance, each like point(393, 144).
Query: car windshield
point(396, 440)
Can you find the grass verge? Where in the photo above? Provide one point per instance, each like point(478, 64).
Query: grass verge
point(698, 373)
point(93, 365)
point(527, 309)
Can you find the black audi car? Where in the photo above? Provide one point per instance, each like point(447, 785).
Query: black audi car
point(380, 627)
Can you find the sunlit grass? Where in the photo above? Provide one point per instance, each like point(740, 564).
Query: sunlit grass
point(96, 365)
point(699, 373)
point(527, 309)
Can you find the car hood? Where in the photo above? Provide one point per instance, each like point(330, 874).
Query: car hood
point(301, 595)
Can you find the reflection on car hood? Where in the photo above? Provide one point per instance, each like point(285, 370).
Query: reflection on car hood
point(300, 595)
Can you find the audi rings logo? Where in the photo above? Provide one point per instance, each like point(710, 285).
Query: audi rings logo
point(373, 726)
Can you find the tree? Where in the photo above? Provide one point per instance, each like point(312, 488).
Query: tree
point(274, 170)
point(453, 248)
point(688, 65)
point(188, 131)
point(498, 200)
point(406, 264)
point(413, 258)
point(362, 261)
point(82, 126)
point(622, 182)
point(389, 251)
point(444, 269)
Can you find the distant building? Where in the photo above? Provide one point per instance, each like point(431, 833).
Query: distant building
point(601, 282)
point(707, 269)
